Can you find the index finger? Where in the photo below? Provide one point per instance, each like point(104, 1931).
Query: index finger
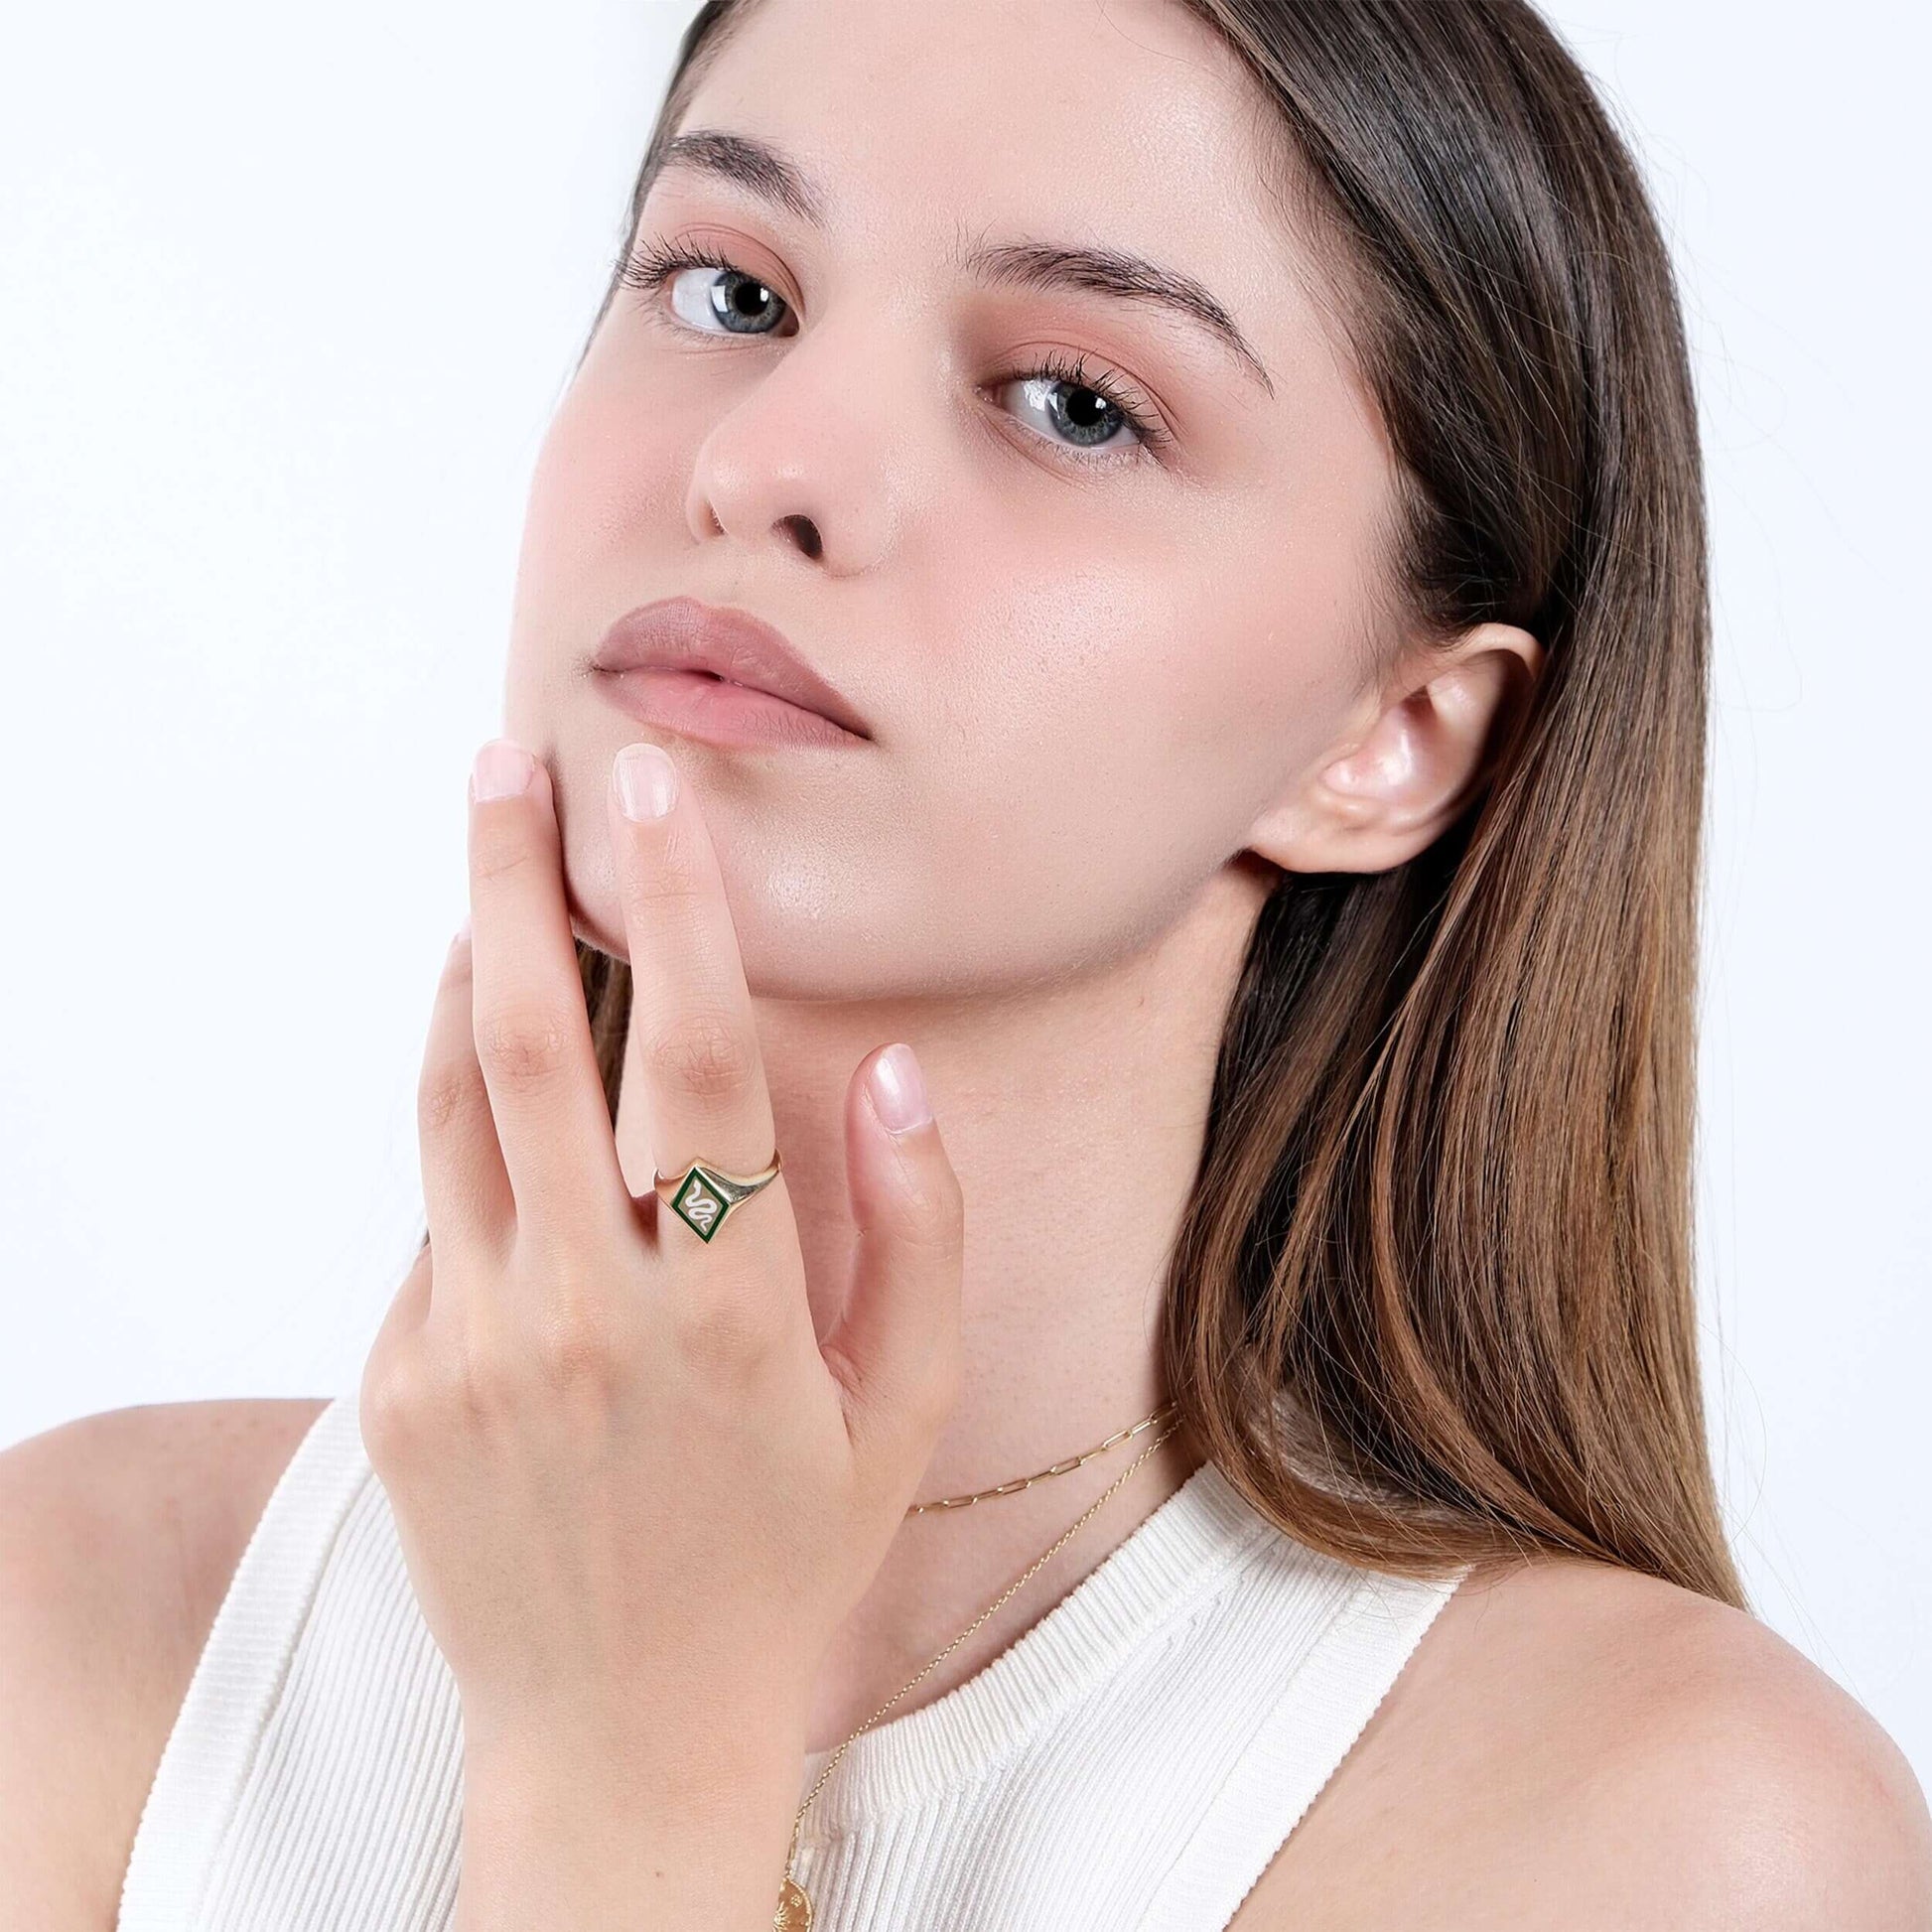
point(531, 1029)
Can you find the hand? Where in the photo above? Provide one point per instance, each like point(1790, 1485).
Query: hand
point(635, 1494)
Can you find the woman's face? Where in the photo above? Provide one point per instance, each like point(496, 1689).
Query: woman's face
point(1091, 660)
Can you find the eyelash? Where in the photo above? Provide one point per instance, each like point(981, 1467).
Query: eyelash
point(654, 263)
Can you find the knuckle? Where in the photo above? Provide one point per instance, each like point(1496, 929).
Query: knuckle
point(498, 852)
point(702, 1054)
point(396, 1403)
point(580, 1348)
point(444, 1095)
point(671, 882)
point(585, 1329)
point(729, 1328)
point(489, 1379)
point(936, 1211)
point(522, 1044)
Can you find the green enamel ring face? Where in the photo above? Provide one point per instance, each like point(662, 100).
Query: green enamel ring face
point(702, 1203)
point(703, 1198)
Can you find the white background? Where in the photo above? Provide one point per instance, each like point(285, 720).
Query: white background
point(286, 297)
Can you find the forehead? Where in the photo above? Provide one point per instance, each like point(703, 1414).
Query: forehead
point(1123, 123)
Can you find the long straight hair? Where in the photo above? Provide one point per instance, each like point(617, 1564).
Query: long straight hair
point(1432, 1296)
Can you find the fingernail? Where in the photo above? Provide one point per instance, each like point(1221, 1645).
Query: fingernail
point(502, 770)
point(898, 1089)
point(462, 938)
point(646, 780)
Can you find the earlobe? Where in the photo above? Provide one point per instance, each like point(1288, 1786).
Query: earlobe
point(1398, 782)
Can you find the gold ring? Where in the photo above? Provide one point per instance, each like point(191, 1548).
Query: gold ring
point(703, 1195)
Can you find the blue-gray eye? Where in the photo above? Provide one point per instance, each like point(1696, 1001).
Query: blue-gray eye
point(724, 294)
point(739, 302)
point(1069, 402)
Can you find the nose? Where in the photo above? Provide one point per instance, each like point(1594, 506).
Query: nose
point(810, 539)
point(818, 452)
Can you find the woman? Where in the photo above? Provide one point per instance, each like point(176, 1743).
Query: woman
point(1188, 958)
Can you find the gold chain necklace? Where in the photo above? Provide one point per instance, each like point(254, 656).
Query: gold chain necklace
point(795, 1907)
point(1019, 1483)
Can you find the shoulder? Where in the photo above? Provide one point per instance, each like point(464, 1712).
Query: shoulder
point(1573, 1732)
point(1705, 1770)
point(119, 1533)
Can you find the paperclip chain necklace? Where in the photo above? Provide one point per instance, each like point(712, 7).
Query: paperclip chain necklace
point(794, 1908)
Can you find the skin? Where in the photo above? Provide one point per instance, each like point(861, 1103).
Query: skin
point(1102, 730)
point(634, 1489)
point(990, 595)
point(1109, 707)
point(1111, 699)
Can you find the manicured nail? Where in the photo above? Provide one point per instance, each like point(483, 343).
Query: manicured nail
point(646, 780)
point(898, 1089)
point(462, 938)
point(502, 770)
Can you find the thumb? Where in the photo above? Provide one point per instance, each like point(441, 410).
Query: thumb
point(895, 1346)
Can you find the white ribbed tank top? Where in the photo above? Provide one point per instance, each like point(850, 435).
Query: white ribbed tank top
point(1134, 1760)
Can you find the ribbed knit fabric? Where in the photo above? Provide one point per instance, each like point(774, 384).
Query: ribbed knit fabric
point(1133, 1761)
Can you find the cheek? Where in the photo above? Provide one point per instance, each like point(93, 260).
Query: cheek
point(607, 493)
point(1280, 657)
point(596, 483)
point(1203, 661)
point(1275, 661)
point(596, 513)
point(1117, 721)
point(1073, 766)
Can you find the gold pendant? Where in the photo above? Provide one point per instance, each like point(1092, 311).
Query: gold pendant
point(794, 1913)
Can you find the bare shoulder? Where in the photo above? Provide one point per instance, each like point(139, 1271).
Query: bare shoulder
point(119, 1533)
point(1577, 1743)
point(1698, 1770)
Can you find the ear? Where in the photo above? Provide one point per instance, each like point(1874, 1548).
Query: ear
point(1409, 761)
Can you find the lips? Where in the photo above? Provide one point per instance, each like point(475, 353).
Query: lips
point(684, 633)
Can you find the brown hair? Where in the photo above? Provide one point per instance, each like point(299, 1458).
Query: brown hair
point(1431, 1298)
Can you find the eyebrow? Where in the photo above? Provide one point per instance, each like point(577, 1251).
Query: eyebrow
point(760, 169)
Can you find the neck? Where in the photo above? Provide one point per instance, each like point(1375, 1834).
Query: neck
point(1074, 1115)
